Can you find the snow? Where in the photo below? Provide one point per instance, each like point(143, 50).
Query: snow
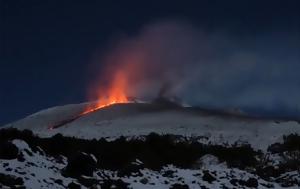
point(191, 177)
point(130, 120)
point(37, 171)
point(136, 120)
point(40, 171)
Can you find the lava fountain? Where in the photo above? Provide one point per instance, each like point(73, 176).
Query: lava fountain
point(115, 93)
point(121, 72)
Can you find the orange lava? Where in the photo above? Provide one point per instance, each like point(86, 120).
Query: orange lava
point(115, 93)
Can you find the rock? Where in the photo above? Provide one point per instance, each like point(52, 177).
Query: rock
point(287, 181)
point(204, 187)
point(10, 180)
point(208, 177)
point(144, 181)
point(74, 185)
point(118, 184)
point(5, 164)
point(20, 157)
point(130, 170)
point(8, 150)
point(179, 186)
point(276, 148)
point(59, 181)
point(8, 169)
point(267, 172)
point(168, 173)
point(234, 182)
point(251, 182)
point(80, 164)
point(88, 181)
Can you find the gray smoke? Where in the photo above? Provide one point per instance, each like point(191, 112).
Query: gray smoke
point(211, 69)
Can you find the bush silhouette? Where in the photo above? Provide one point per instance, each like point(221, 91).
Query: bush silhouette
point(154, 151)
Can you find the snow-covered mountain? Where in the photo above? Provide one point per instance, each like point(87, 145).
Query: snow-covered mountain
point(222, 149)
point(138, 119)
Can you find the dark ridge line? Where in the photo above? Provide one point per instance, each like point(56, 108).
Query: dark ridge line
point(70, 120)
point(63, 122)
point(167, 105)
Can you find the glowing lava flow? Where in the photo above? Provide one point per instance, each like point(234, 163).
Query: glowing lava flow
point(114, 94)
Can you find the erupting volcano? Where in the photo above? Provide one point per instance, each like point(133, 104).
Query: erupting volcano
point(112, 84)
point(115, 93)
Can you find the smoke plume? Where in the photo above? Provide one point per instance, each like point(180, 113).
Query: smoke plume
point(211, 69)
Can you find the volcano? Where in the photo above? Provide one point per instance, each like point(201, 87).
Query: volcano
point(160, 116)
point(166, 145)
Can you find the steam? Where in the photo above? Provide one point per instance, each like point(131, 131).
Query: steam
point(208, 69)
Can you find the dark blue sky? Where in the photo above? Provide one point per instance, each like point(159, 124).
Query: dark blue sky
point(46, 46)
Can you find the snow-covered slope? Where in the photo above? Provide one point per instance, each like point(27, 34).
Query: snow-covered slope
point(39, 171)
point(203, 158)
point(138, 119)
point(35, 169)
point(40, 164)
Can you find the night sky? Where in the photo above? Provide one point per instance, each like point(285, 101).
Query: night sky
point(47, 47)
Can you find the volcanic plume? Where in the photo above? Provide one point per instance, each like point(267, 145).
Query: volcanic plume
point(114, 93)
point(202, 68)
point(115, 81)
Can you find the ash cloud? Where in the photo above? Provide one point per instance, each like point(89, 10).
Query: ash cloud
point(210, 69)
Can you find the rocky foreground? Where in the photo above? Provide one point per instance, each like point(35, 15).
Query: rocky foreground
point(151, 161)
